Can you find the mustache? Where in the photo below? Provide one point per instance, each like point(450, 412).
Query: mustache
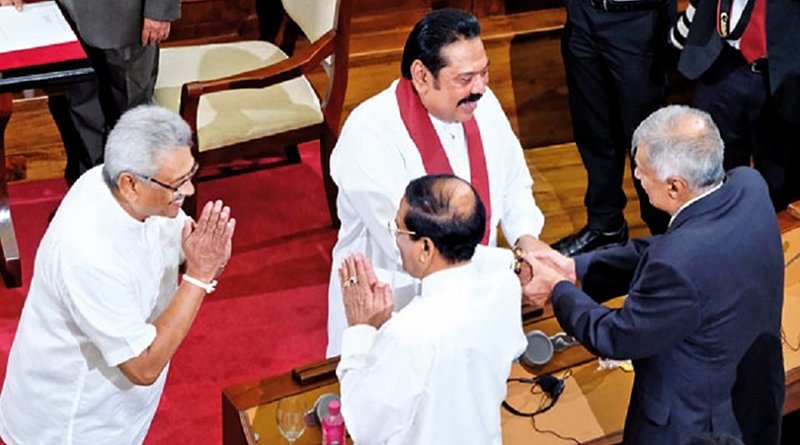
point(474, 97)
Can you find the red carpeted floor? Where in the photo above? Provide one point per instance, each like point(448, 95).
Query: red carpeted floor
point(268, 313)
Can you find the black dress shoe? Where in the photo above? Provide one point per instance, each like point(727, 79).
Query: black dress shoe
point(587, 240)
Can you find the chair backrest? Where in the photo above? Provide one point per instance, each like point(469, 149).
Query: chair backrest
point(314, 17)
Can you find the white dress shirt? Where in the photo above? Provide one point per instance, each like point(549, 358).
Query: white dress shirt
point(373, 162)
point(436, 372)
point(100, 279)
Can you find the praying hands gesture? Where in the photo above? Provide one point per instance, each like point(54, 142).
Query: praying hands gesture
point(366, 300)
point(207, 242)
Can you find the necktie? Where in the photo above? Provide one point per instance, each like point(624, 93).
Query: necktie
point(754, 40)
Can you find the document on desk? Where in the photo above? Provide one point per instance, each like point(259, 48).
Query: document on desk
point(37, 25)
point(37, 35)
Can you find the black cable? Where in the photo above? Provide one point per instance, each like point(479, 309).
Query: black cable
point(786, 342)
point(783, 333)
point(553, 433)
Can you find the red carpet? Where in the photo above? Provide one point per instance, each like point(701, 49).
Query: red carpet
point(268, 314)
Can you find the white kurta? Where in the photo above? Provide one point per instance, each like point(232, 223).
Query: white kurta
point(373, 162)
point(436, 372)
point(100, 279)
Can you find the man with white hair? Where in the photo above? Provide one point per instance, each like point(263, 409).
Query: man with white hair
point(702, 318)
point(105, 312)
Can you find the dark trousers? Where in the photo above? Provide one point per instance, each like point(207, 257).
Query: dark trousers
point(738, 100)
point(616, 77)
point(88, 110)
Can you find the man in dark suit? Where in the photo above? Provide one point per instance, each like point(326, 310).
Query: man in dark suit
point(121, 39)
point(746, 61)
point(702, 318)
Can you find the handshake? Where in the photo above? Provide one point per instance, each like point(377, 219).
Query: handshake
point(540, 270)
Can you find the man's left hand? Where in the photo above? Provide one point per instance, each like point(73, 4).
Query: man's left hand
point(366, 300)
point(154, 31)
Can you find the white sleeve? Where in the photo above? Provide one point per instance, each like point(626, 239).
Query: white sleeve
point(104, 302)
point(370, 171)
point(520, 215)
point(375, 407)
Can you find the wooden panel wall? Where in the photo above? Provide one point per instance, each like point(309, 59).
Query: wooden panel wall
point(215, 21)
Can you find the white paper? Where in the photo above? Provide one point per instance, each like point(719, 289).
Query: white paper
point(39, 24)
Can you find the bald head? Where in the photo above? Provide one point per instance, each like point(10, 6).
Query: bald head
point(682, 142)
point(447, 210)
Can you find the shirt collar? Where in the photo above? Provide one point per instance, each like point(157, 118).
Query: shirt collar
point(444, 280)
point(694, 200)
point(450, 128)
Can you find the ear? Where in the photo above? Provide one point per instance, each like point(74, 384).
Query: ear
point(426, 253)
point(128, 186)
point(677, 188)
point(420, 76)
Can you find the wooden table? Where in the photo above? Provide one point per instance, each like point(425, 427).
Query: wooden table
point(591, 409)
point(52, 78)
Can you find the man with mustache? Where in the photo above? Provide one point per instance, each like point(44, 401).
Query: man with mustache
point(439, 117)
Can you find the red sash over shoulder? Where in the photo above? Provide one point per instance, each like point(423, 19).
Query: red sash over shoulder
point(420, 128)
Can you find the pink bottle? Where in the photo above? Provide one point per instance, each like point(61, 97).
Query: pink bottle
point(333, 425)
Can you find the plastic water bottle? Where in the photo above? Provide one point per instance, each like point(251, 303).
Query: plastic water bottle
point(333, 425)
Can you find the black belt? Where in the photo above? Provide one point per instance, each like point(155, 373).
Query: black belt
point(617, 6)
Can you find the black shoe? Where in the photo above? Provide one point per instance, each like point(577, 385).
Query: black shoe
point(587, 240)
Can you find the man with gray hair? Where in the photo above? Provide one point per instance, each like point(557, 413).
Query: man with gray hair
point(105, 312)
point(702, 318)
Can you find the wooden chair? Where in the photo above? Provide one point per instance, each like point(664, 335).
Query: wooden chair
point(248, 101)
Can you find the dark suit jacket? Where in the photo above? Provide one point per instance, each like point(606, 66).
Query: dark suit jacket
point(701, 321)
point(109, 24)
point(703, 45)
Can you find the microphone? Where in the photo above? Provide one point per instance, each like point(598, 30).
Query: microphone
point(541, 347)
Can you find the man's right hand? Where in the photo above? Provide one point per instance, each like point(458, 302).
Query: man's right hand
point(546, 274)
point(207, 243)
point(17, 3)
point(366, 300)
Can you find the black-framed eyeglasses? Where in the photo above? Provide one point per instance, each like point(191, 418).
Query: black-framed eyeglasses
point(391, 226)
point(173, 188)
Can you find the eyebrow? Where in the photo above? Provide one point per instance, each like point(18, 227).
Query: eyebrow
point(472, 73)
point(187, 174)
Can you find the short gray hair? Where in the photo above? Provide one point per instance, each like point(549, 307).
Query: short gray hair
point(140, 136)
point(682, 142)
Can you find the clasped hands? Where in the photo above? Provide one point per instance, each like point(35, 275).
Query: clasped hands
point(366, 300)
point(545, 268)
point(207, 242)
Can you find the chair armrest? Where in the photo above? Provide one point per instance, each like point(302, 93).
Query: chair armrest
point(297, 65)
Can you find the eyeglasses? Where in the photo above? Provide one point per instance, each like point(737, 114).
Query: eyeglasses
point(391, 225)
point(173, 188)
